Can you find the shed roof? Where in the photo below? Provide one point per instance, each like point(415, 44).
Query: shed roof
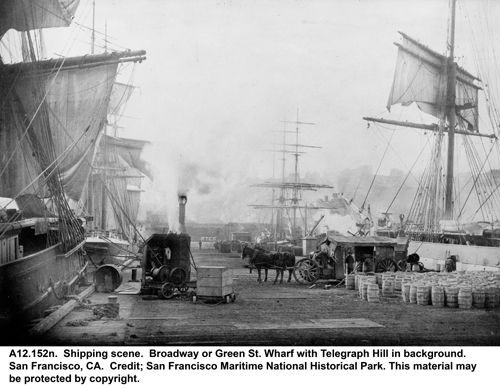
point(365, 240)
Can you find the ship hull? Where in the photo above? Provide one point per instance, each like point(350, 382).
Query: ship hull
point(107, 251)
point(30, 285)
point(469, 257)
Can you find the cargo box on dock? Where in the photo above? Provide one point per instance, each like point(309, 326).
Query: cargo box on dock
point(214, 282)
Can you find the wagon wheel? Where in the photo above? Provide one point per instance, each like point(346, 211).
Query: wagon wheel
point(306, 271)
point(167, 290)
point(402, 265)
point(178, 277)
point(386, 265)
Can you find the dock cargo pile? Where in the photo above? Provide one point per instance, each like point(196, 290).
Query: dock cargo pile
point(464, 290)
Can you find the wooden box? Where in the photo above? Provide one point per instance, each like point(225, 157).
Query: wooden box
point(214, 281)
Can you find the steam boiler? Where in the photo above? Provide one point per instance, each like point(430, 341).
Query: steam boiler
point(166, 265)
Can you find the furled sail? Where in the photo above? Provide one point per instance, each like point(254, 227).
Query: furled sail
point(25, 15)
point(420, 77)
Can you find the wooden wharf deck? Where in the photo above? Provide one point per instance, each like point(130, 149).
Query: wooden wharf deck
point(274, 314)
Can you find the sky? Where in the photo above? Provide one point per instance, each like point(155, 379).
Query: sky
point(221, 76)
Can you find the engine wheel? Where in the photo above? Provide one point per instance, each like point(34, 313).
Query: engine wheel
point(178, 277)
point(167, 290)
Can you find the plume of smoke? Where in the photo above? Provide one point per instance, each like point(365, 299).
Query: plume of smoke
point(175, 175)
point(164, 163)
point(339, 223)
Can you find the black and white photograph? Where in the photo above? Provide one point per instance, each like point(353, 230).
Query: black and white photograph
point(279, 185)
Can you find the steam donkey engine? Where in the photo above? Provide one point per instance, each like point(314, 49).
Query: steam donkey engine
point(166, 262)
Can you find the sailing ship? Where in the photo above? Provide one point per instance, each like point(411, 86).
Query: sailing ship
point(289, 214)
point(111, 202)
point(440, 223)
point(52, 114)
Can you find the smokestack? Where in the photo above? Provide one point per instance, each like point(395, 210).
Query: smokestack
point(182, 213)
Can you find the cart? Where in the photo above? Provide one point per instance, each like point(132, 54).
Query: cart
point(339, 255)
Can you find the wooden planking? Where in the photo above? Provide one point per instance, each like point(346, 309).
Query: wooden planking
point(59, 314)
point(180, 322)
point(351, 323)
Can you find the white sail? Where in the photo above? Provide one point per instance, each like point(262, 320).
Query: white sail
point(420, 77)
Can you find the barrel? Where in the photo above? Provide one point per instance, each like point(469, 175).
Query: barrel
point(451, 296)
point(359, 276)
point(489, 297)
point(405, 291)
point(465, 298)
point(387, 287)
point(478, 297)
point(372, 293)
point(365, 290)
point(413, 293)
point(361, 284)
point(360, 287)
point(423, 295)
point(350, 281)
point(107, 278)
point(437, 296)
point(397, 282)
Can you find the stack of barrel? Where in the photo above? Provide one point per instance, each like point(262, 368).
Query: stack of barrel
point(365, 284)
point(479, 289)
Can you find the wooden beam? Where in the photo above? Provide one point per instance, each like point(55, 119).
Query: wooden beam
point(427, 127)
point(50, 321)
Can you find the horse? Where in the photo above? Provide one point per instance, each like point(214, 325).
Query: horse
point(286, 261)
point(261, 258)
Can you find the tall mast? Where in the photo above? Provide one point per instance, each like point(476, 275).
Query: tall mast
point(279, 220)
point(93, 28)
point(296, 176)
point(450, 107)
point(296, 189)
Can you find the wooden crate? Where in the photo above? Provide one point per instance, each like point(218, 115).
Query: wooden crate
point(214, 281)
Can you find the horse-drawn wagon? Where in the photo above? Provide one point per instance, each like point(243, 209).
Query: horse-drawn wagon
point(339, 255)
